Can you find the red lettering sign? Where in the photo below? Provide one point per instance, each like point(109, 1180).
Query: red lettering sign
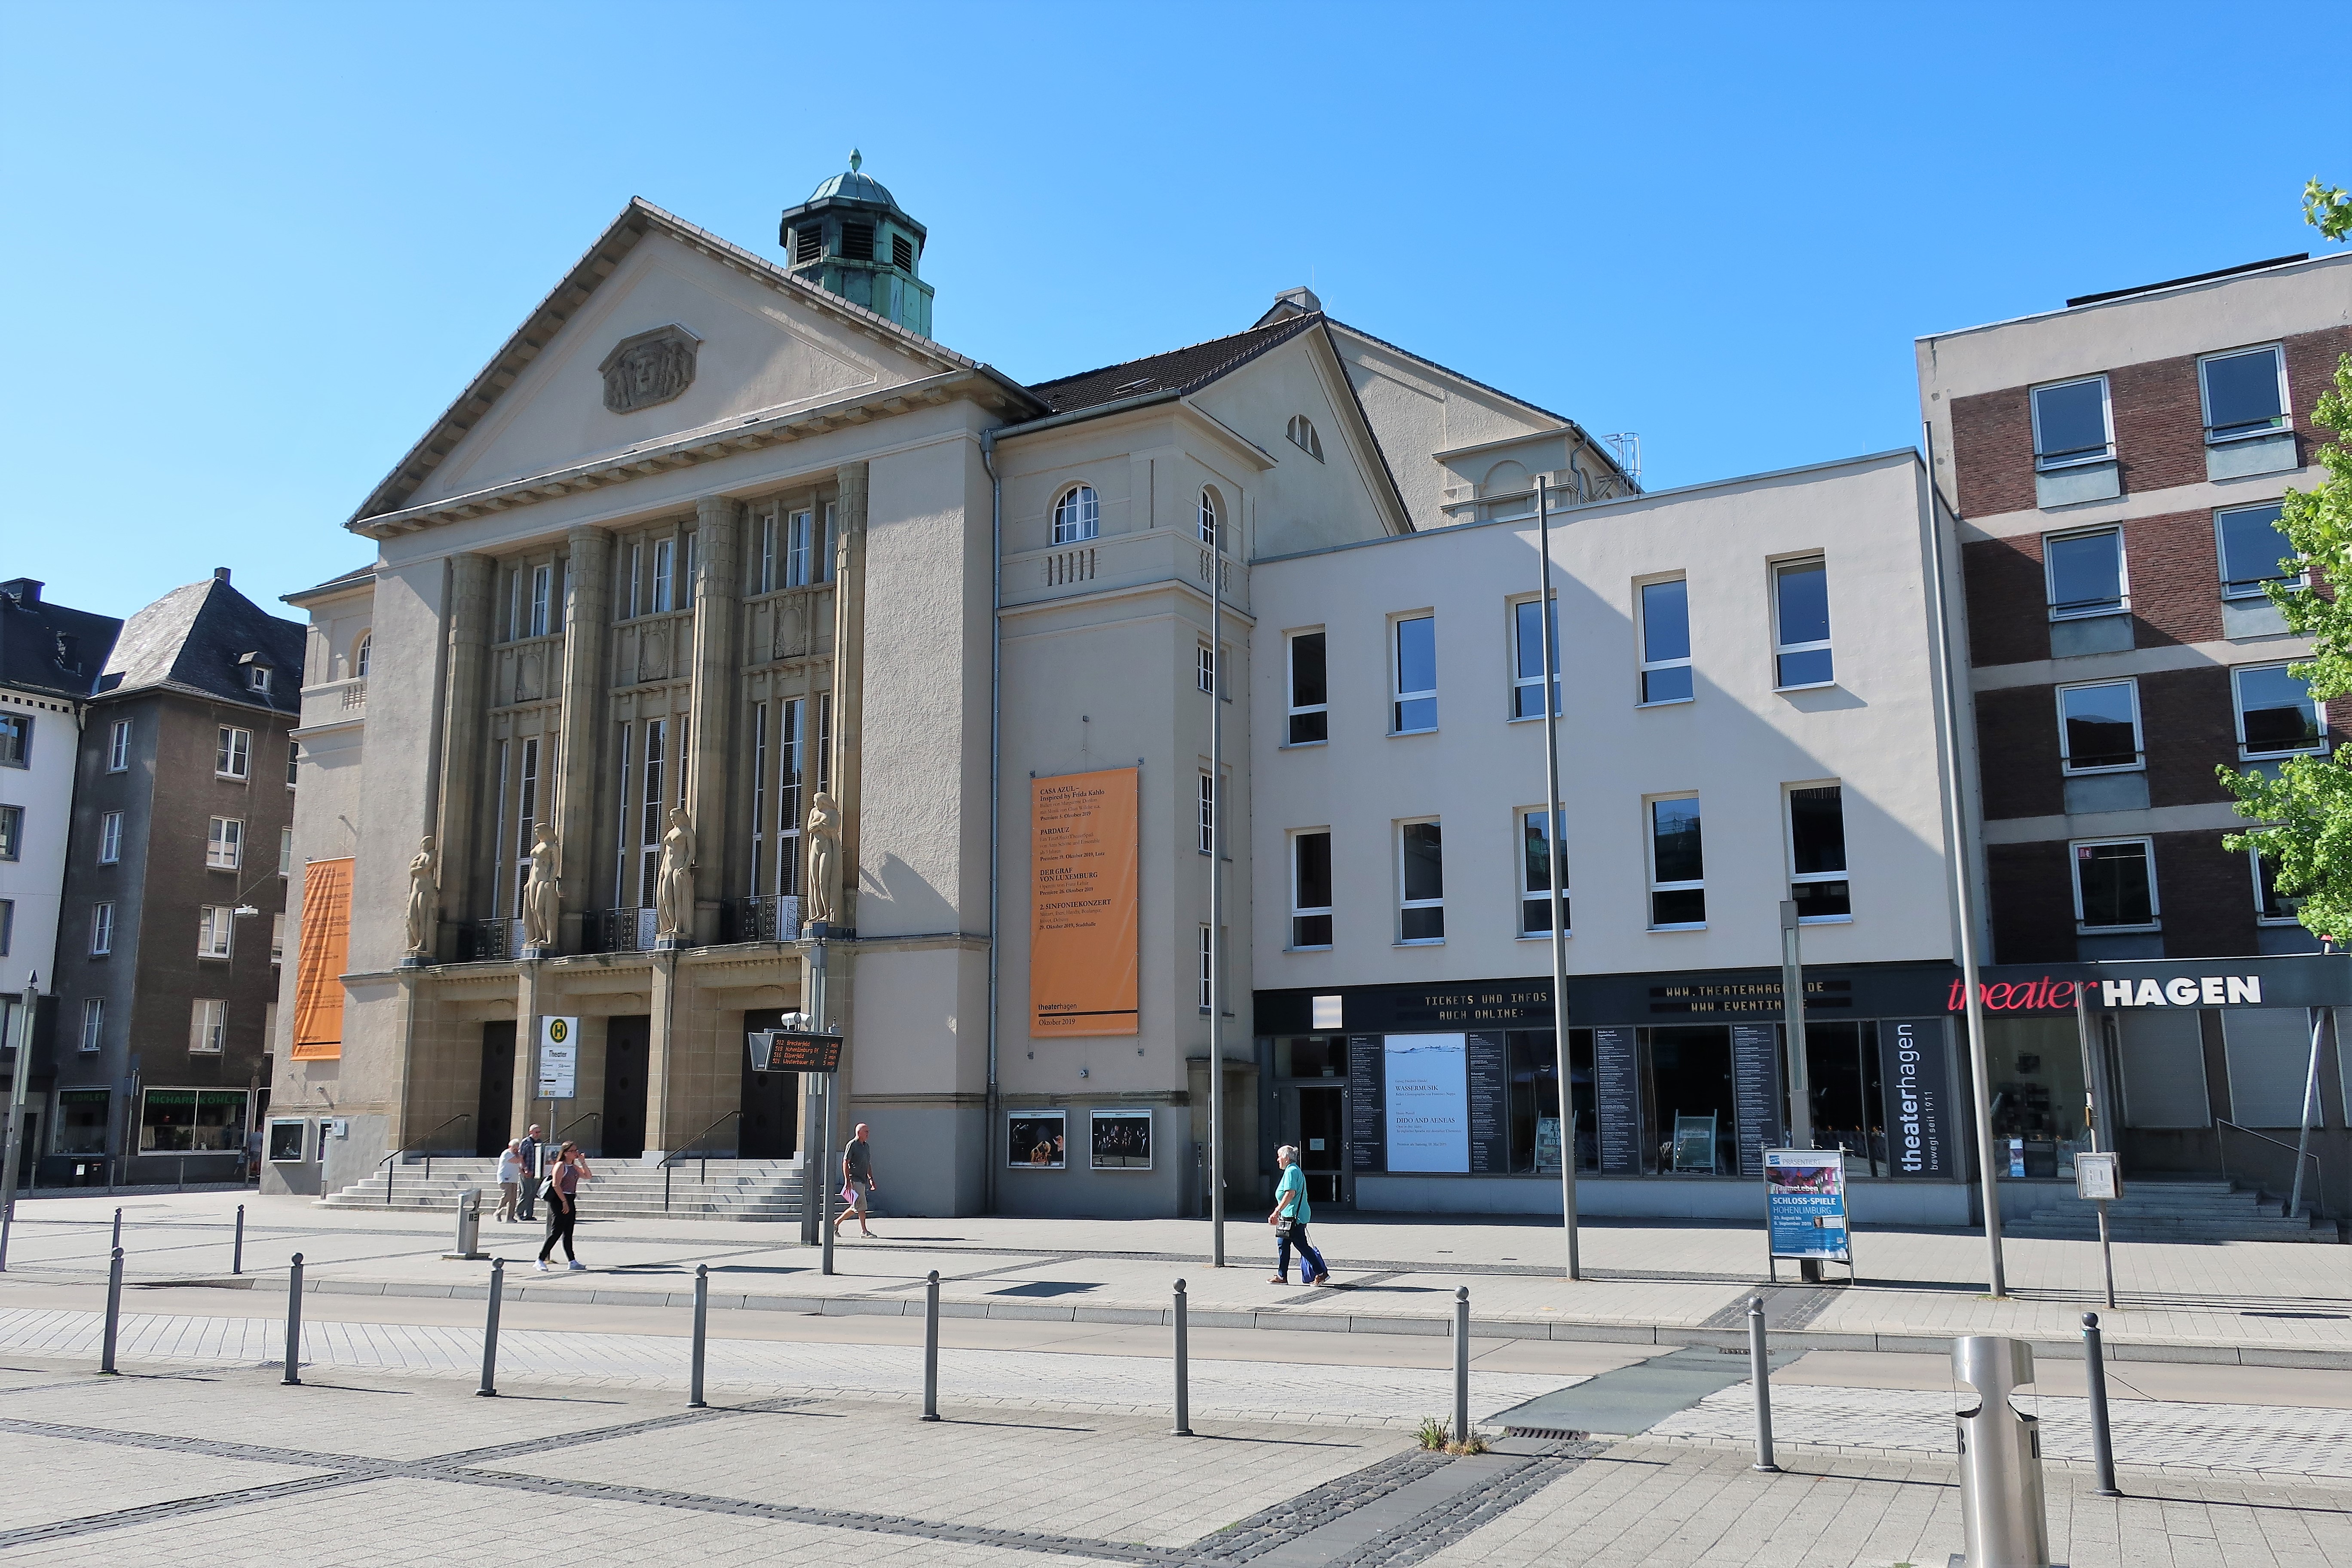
point(2042, 996)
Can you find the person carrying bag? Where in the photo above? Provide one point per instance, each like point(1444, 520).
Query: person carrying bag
point(1291, 1213)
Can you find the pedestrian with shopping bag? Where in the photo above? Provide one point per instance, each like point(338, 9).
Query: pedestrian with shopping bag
point(1291, 1212)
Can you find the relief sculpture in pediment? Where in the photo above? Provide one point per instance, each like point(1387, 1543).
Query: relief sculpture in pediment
point(649, 368)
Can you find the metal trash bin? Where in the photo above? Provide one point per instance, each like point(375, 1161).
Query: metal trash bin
point(2003, 1518)
point(469, 1223)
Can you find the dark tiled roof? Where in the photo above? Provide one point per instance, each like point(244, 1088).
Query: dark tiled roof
point(1178, 370)
point(337, 583)
point(48, 648)
point(193, 640)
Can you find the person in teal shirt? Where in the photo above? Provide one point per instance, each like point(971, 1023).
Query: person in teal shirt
point(1291, 1212)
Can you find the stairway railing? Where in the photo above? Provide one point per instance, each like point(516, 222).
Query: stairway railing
point(2319, 1177)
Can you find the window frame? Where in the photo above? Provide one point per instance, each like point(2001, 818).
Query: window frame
point(1520, 683)
point(1782, 647)
point(93, 1023)
point(232, 754)
point(2075, 875)
point(1206, 816)
point(15, 740)
point(109, 838)
point(1212, 519)
point(2262, 915)
point(2121, 606)
point(1644, 665)
point(2080, 458)
point(1300, 911)
point(285, 851)
point(216, 932)
point(541, 600)
point(1204, 668)
point(2319, 748)
point(1398, 695)
point(117, 747)
point(1313, 443)
point(1076, 515)
point(1208, 972)
point(1406, 905)
point(362, 655)
point(257, 678)
point(208, 1014)
point(1650, 804)
point(1844, 874)
point(12, 832)
point(1296, 710)
point(224, 844)
point(2222, 556)
point(277, 937)
point(1541, 897)
point(2284, 417)
point(101, 928)
point(2138, 764)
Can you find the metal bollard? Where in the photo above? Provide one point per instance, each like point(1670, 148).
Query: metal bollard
point(1462, 1363)
point(1759, 1363)
point(294, 1324)
point(2003, 1522)
point(113, 1311)
point(489, 1389)
point(117, 1229)
point(1183, 1372)
point(694, 1400)
point(236, 1254)
point(931, 1348)
point(2095, 1372)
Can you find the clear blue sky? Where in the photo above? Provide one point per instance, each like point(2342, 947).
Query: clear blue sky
point(253, 250)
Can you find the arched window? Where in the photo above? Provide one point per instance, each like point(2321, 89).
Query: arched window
point(1212, 519)
point(1078, 515)
point(360, 656)
point(1302, 436)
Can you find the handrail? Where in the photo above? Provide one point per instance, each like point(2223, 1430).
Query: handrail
point(2319, 1197)
point(675, 1155)
point(417, 1148)
point(591, 1116)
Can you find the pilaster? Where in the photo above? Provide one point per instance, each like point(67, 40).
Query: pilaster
point(718, 606)
point(459, 822)
point(587, 620)
point(848, 671)
point(660, 1080)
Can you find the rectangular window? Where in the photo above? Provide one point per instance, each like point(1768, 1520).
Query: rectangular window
point(1208, 814)
point(15, 740)
point(763, 568)
point(1678, 865)
point(1310, 888)
point(2245, 394)
point(12, 832)
point(93, 1022)
point(285, 851)
point(277, 937)
point(2069, 423)
point(1535, 876)
point(664, 555)
point(526, 812)
point(173, 1120)
point(101, 930)
point(1311, 694)
point(2275, 713)
point(1817, 853)
point(2085, 572)
point(207, 1026)
point(1204, 668)
point(1414, 706)
point(652, 801)
point(2114, 885)
point(293, 763)
point(789, 802)
point(797, 550)
point(759, 792)
point(1528, 664)
point(2254, 551)
point(824, 742)
point(686, 571)
point(1421, 882)
point(8, 929)
point(2098, 728)
point(117, 747)
point(216, 930)
point(632, 604)
point(1665, 641)
point(1208, 972)
point(257, 677)
point(109, 838)
point(224, 844)
point(232, 754)
point(2272, 908)
point(1800, 614)
point(542, 599)
point(499, 839)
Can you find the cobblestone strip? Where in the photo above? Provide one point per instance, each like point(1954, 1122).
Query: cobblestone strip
point(1419, 1538)
point(1289, 1520)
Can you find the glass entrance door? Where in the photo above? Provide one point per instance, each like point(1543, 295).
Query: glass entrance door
point(1321, 1135)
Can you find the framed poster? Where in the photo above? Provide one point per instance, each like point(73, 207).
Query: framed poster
point(1428, 1102)
point(1120, 1139)
point(1804, 1203)
point(1033, 1140)
point(1083, 897)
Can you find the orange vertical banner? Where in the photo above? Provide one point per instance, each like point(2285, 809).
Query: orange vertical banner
point(1083, 895)
point(325, 947)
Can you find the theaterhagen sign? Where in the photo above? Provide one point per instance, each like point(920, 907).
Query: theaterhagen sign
point(2306, 980)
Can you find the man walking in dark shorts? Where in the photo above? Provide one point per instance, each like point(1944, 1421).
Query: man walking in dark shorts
point(856, 1181)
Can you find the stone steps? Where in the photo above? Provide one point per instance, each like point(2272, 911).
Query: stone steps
point(2178, 1212)
point(765, 1191)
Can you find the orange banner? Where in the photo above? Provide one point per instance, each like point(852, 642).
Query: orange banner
point(1082, 903)
point(325, 947)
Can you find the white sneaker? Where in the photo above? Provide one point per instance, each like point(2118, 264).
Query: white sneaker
point(575, 1263)
point(542, 1266)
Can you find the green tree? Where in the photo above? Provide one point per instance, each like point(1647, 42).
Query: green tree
point(2311, 800)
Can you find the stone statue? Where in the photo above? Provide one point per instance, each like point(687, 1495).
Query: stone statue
point(543, 894)
point(424, 897)
point(823, 859)
point(674, 884)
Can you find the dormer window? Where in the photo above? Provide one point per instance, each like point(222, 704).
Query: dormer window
point(1303, 436)
point(257, 677)
point(857, 241)
point(808, 242)
point(902, 253)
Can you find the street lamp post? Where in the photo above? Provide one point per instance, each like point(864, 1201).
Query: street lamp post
point(1555, 852)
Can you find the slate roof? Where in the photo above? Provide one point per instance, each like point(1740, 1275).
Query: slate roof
point(337, 583)
point(50, 649)
point(192, 641)
point(1177, 371)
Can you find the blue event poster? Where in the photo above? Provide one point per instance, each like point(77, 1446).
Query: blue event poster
point(1804, 1203)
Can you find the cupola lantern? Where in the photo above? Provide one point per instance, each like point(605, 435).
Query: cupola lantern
point(852, 238)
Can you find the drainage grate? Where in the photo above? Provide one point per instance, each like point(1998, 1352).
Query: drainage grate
point(1548, 1433)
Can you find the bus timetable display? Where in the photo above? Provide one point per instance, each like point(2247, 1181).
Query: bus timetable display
point(794, 1050)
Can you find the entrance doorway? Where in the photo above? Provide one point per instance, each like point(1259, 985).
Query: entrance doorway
point(1322, 1131)
point(628, 1040)
point(771, 1099)
point(494, 1107)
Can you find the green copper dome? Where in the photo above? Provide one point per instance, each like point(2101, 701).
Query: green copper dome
point(851, 238)
point(853, 187)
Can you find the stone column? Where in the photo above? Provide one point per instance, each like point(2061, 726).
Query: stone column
point(661, 1120)
point(587, 625)
point(848, 671)
point(718, 606)
point(458, 823)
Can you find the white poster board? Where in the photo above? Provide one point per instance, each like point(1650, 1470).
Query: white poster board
point(1428, 1102)
point(559, 1059)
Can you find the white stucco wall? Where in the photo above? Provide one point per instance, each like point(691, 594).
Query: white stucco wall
point(35, 881)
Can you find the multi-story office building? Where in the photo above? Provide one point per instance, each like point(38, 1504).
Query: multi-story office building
point(175, 890)
point(50, 660)
point(2119, 465)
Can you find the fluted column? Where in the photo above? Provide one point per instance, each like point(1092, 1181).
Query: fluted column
point(458, 825)
point(848, 671)
point(718, 605)
point(587, 625)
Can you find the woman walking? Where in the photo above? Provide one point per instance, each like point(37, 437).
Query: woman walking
point(562, 1193)
point(509, 1178)
point(1291, 1213)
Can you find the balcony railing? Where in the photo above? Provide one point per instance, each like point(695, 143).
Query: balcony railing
point(620, 931)
point(774, 919)
point(488, 941)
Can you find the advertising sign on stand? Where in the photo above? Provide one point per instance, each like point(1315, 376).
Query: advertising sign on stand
point(1804, 1206)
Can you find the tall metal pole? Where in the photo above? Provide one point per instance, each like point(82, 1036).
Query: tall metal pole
point(1964, 891)
point(2309, 1106)
point(815, 1003)
point(1217, 896)
point(19, 1074)
point(1558, 853)
point(1792, 1011)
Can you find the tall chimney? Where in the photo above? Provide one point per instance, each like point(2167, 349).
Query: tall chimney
point(220, 575)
